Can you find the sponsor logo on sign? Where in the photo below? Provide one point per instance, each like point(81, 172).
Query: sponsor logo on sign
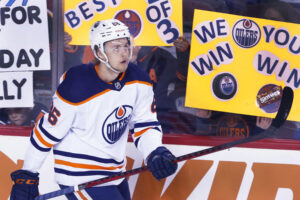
point(269, 97)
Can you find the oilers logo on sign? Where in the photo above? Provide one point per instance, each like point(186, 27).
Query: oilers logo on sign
point(115, 124)
point(131, 19)
point(246, 33)
point(224, 86)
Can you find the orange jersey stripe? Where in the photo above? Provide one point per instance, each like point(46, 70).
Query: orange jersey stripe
point(41, 114)
point(41, 139)
point(85, 166)
point(99, 94)
point(137, 134)
point(82, 102)
point(122, 76)
point(64, 75)
point(141, 82)
point(81, 195)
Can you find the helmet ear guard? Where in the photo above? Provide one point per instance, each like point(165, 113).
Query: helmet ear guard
point(104, 31)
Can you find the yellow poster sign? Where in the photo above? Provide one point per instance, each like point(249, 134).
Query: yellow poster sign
point(241, 64)
point(151, 22)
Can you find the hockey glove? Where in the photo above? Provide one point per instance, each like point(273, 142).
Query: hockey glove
point(160, 163)
point(25, 185)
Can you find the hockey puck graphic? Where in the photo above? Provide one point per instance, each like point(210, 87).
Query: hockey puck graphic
point(268, 98)
point(224, 86)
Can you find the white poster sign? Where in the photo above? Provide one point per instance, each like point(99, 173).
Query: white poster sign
point(16, 89)
point(24, 37)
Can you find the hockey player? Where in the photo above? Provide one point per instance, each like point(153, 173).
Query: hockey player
point(93, 110)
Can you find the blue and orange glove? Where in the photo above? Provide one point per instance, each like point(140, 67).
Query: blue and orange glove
point(25, 185)
point(160, 163)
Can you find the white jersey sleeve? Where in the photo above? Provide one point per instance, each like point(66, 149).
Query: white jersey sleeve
point(48, 131)
point(147, 133)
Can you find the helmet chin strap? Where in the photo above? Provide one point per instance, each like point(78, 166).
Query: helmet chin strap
point(107, 64)
point(111, 68)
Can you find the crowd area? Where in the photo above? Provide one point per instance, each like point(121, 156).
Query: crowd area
point(167, 68)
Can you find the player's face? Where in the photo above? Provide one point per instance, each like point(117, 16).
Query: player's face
point(118, 53)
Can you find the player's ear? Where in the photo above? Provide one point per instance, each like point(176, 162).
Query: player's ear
point(99, 53)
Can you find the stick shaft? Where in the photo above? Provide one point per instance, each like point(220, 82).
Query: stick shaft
point(226, 145)
point(56, 193)
point(284, 109)
point(145, 168)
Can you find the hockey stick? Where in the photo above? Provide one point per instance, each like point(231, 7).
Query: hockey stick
point(282, 114)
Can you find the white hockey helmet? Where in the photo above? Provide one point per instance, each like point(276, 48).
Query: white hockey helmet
point(107, 30)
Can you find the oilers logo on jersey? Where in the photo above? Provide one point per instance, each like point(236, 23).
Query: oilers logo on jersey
point(115, 124)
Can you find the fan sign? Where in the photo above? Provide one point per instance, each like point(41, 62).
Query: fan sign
point(240, 64)
point(151, 23)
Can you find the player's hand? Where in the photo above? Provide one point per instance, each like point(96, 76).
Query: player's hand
point(263, 122)
point(160, 163)
point(202, 113)
point(181, 43)
point(25, 185)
